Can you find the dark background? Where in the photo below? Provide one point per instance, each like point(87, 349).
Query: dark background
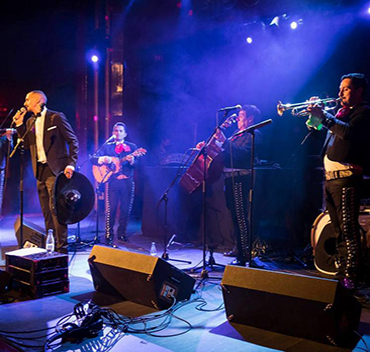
point(182, 61)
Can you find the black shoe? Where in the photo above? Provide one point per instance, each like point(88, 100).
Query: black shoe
point(109, 241)
point(237, 262)
point(111, 244)
point(123, 238)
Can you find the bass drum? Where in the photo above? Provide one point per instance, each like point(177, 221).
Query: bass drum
point(323, 242)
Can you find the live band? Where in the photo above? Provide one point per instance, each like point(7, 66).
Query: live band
point(54, 152)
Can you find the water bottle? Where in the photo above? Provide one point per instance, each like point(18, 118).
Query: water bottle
point(153, 249)
point(50, 242)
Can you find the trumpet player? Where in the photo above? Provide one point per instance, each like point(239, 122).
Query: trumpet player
point(346, 154)
point(6, 144)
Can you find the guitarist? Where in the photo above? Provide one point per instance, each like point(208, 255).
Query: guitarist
point(237, 151)
point(236, 159)
point(121, 185)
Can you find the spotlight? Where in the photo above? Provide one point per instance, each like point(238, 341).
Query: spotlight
point(368, 10)
point(94, 58)
point(275, 21)
point(249, 40)
point(294, 25)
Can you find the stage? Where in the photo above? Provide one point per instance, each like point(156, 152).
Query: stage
point(199, 325)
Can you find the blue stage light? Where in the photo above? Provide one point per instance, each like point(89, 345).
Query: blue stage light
point(249, 40)
point(294, 25)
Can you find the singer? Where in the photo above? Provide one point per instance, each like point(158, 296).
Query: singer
point(121, 185)
point(48, 140)
point(6, 144)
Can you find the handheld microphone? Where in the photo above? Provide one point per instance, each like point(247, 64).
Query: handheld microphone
point(228, 108)
point(22, 111)
point(171, 241)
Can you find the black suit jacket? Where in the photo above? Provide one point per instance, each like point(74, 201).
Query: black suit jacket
point(349, 140)
point(58, 134)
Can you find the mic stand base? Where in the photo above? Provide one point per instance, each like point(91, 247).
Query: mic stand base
point(211, 263)
point(166, 257)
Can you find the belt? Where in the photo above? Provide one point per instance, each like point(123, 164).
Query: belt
point(334, 175)
point(229, 174)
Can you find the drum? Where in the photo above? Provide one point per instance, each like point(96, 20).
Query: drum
point(323, 240)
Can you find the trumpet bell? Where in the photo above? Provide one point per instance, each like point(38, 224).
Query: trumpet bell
point(280, 108)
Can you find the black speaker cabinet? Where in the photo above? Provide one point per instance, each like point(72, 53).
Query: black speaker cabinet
point(33, 235)
point(307, 307)
point(139, 278)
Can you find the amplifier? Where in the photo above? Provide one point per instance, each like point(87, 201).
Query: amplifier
point(37, 272)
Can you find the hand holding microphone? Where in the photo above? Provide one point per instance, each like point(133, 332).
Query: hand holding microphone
point(19, 116)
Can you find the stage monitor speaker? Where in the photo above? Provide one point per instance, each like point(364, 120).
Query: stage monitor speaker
point(307, 307)
point(33, 235)
point(139, 278)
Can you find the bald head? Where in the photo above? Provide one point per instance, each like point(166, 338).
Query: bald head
point(35, 101)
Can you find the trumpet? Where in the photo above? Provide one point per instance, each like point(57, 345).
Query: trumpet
point(300, 109)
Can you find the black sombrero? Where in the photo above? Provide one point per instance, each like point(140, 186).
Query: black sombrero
point(73, 198)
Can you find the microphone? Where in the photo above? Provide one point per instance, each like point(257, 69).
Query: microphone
point(22, 110)
point(228, 108)
point(253, 127)
point(171, 241)
point(112, 138)
point(18, 114)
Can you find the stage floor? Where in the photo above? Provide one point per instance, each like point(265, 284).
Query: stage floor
point(210, 329)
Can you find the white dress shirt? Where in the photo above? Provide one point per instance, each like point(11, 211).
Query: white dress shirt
point(39, 132)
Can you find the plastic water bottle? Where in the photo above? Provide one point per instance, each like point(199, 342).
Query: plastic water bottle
point(153, 249)
point(50, 242)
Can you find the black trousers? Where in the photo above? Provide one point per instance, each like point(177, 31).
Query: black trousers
point(45, 186)
point(120, 194)
point(236, 192)
point(343, 203)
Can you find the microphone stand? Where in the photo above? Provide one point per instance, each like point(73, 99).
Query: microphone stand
point(98, 192)
point(164, 198)
point(20, 145)
point(211, 263)
point(251, 130)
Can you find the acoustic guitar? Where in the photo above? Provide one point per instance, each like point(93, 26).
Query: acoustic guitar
point(102, 173)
